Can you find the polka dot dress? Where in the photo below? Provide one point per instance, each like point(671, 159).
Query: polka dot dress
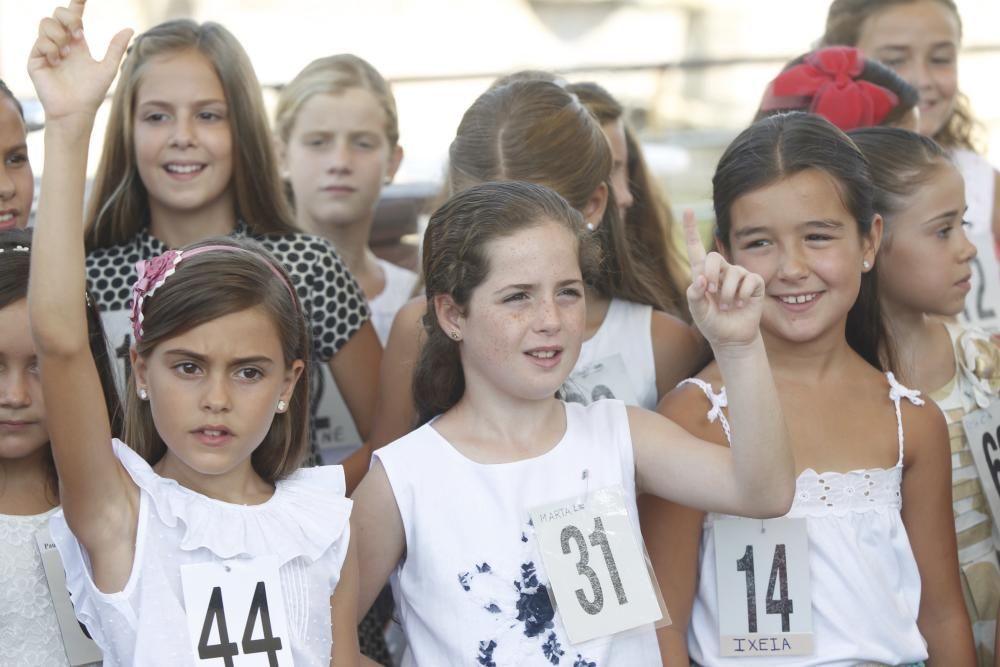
point(331, 298)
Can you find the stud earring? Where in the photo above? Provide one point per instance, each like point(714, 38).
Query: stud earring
point(143, 395)
point(282, 406)
point(590, 226)
point(455, 336)
point(866, 265)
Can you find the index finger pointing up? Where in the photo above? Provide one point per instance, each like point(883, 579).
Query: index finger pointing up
point(76, 6)
point(692, 237)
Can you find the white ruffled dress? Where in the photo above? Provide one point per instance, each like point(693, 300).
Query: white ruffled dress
point(305, 524)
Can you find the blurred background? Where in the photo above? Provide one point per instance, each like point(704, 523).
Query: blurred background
point(691, 72)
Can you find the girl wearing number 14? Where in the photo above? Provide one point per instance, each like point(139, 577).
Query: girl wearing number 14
point(447, 507)
point(794, 202)
point(201, 532)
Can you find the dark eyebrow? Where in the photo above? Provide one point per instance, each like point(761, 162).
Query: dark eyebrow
point(823, 224)
point(167, 105)
point(942, 217)
point(188, 354)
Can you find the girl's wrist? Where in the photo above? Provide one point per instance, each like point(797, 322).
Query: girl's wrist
point(736, 352)
point(71, 125)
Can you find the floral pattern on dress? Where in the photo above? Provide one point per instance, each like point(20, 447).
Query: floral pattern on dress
point(523, 610)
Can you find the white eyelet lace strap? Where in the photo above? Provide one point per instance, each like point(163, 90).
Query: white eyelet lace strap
point(718, 402)
point(898, 392)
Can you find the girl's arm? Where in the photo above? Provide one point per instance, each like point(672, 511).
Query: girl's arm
point(344, 613)
point(678, 351)
point(395, 414)
point(100, 501)
point(377, 526)
point(355, 369)
point(930, 525)
point(756, 476)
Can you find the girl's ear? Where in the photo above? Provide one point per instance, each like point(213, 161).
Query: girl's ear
point(138, 369)
point(597, 202)
point(292, 375)
point(395, 159)
point(450, 316)
point(873, 241)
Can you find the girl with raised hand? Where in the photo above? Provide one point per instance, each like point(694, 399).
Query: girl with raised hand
point(202, 529)
point(921, 40)
point(29, 486)
point(925, 270)
point(535, 130)
point(188, 155)
point(867, 570)
point(448, 508)
point(841, 85)
point(338, 134)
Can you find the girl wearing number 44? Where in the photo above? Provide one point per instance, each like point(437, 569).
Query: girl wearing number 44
point(452, 508)
point(869, 543)
point(202, 532)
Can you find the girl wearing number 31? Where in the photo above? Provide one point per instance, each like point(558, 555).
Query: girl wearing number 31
point(447, 508)
point(201, 532)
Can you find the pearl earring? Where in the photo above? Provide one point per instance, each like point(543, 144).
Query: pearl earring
point(590, 226)
point(866, 265)
point(143, 395)
point(282, 406)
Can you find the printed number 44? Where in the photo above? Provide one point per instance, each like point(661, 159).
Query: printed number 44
point(216, 615)
point(779, 575)
point(598, 538)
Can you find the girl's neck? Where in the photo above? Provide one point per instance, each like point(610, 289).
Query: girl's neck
point(351, 242)
point(502, 429)
point(240, 486)
point(922, 345)
point(177, 229)
point(597, 311)
point(811, 361)
point(25, 485)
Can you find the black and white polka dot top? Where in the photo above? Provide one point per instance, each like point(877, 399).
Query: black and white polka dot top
point(331, 299)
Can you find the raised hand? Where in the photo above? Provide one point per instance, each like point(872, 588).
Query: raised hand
point(726, 300)
point(67, 79)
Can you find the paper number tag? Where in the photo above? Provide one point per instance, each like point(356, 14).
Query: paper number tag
point(982, 428)
point(80, 649)
point(765, 603)
point(982, 303)
point(595, 568)
point(236, 613)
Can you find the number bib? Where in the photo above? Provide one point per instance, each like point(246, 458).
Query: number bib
point(241, 600)
point(603, 379)
point(596, 570)
point(757, 620)
point(982, 428)
point(80, 648)
point(982, 303)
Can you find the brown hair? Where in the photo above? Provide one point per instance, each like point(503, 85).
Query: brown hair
point(900, 163)
point(537, 131)
point(5, 92)
point(208, 286)
point(14, 270)
point(333, 75)
point(456, 261)
point(844, 21)
point(649, 222)
point(119, 203)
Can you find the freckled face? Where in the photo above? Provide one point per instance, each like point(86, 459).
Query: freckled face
point(925, 263)
point(523, 327)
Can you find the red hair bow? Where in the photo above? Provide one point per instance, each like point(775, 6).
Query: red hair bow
point(828, 79)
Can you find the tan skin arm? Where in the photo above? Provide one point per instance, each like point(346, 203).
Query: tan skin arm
point(378, 529)
point(930, 525)
point(355, 370)
point(394, 413)
point(673, 532)
point(344, 613)
point(100, 500)
point(679, 351)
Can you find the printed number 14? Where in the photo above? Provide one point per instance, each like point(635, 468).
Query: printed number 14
point(779, 575)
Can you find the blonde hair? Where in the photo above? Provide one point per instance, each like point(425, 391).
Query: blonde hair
point(333, 75)
point(119, 203)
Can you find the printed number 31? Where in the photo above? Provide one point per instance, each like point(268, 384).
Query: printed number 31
point(598, 538)
point(779, 574)
point(216, 614)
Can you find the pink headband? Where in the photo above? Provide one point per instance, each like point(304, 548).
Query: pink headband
point(828, 77)
point(154, 272)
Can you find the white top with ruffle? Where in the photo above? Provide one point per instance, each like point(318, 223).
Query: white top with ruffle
point(305, 524)
point(865, 582)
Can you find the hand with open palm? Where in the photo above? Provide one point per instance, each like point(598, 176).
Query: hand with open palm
point(68, 80)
